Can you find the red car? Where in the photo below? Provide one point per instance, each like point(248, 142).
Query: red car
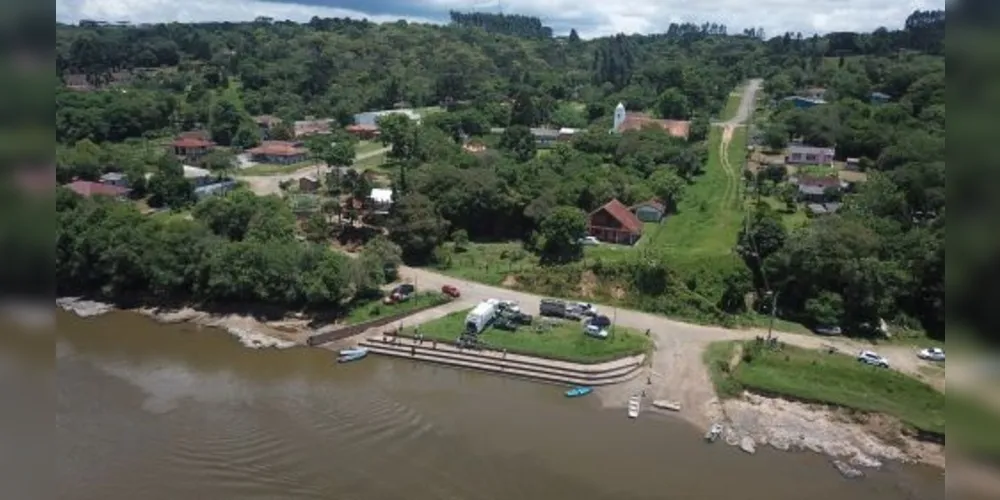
point(451, 291)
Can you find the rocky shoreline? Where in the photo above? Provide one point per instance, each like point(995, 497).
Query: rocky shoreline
point(753, 420)
point(250, 332)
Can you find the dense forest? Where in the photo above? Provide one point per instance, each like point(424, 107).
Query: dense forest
point(882, 256)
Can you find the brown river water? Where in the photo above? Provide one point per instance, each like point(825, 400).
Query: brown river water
point(150, 411)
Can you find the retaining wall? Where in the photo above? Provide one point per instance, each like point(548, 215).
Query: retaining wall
point(351, 330)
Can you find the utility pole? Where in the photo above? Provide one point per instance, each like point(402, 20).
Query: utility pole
point(774, 309)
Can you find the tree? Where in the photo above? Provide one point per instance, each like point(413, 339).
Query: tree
point(219, 161)
point(417, 227)
point(382, 254)
point(461, 239)
point(519, 142)
point(673, 104)
point(247, 136)
point(225, 121)
point(574, 38)
point(317, 228)
point(399, 132)
point(168, 187)
point(699, 129)
point(827, 309)
point(561, 232)
point(775, 136)
point(668, 187)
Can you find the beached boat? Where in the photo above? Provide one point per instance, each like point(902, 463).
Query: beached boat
point(633, 406)
point(352, 350)
point(713, 433)
point(353, 356)
point(664, 404)
point(579, 391)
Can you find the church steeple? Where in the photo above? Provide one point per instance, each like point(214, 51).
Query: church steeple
point(619, 117)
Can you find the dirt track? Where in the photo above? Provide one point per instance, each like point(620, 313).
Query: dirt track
point(264, 185)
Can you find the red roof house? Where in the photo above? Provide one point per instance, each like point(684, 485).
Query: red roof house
point(280, 152)
point(192, 144)
point(88, 189)
point(366, 132)
point(614, 223)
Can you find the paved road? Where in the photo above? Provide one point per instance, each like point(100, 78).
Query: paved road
point(264, 185)
point(747, 104)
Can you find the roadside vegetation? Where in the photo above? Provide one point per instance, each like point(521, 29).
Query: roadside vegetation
point(375, 309)
point(827, 378)
point(548, 338)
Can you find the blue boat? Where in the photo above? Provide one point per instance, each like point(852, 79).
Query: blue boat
point(352, 350)
point(354, 355)
point(579, 391)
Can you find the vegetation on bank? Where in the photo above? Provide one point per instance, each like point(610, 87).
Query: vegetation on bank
point(375, 309)
point(826, 378)
point(553, 339)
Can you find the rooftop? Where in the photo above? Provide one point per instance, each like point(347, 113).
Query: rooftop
point(638, 121)
point(192, 141)
point(622, 214)
point(810, 150)
point(195, 172)
point(88, 189)
point(311, 127)
point(381, 195)
point(278, 148)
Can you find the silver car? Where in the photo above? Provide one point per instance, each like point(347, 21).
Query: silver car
point(871, 358)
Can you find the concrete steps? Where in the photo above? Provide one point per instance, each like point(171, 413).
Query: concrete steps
point(544, 370)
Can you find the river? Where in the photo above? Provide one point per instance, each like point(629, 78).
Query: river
point(152, 411)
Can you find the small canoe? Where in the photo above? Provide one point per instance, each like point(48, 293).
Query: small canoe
point(354, 356)
point(579, 391)
point(713, 433)
point(353, 350)
point(633, 407)
point(664, 404)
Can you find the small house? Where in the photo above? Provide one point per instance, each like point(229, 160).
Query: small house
point(818, 189)
point(192, 145)
point(306, 128)
point(89, 189)
point(114, 179)
point(380, 200)
point(214, 189)
point(813, 93)
point(198, 176)
point(649, 211)
point(614, 223)
point(853, 164)
point(474, 147)
point(804, 102)
point(808, 155)
point(878, 98)
point(823, 208)
point(370, 118)
point(308, 183)
point(545, 137)
point(363, 132)
point(265, 123)
point(279, 152)
point(566, 134)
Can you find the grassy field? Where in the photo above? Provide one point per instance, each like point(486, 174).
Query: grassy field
point(710, 213)
point(371, 311)
point(364, 147)
point(371, 163)
point(564, 340)
point(492, 263)
point(732, 104)
point(833, 379)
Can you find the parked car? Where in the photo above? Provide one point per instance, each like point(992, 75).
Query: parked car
point(552, 307)
point(600, 320)
point(595, 331)
point(589, 241)
point(509, 305)
point(451, 291)
point(871, 358)
point(401, 293)
point(931, 354)
point(586, 309)
point(828, 330)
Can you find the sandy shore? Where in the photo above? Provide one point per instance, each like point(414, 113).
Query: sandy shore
point(250, 332)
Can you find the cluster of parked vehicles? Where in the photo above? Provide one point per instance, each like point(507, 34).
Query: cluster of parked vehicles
point(594, 324)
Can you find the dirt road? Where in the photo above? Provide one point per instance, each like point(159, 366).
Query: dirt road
point(264, 185)
point(747, 103)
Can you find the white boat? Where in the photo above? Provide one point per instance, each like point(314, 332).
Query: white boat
point(665, 404)
point(713, 433)
point(633, 406)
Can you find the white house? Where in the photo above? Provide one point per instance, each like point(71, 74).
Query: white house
point(381, 199)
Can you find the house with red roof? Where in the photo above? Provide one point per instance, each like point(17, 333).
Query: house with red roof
point(363, 132)
point(192, 145)
point(88, 189)
point(279, 152)
point(614, 223)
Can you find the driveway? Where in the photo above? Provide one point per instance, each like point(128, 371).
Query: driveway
point(747, 104)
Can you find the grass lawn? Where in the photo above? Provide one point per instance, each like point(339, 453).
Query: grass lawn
point(793, 220)
point(732, 104)
point(273, 169)
point(491, 263)
point(364, 147)
point(564, 341)
point(710, 213)
point(371, 311)
point(833, 379)
point(370, 163)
